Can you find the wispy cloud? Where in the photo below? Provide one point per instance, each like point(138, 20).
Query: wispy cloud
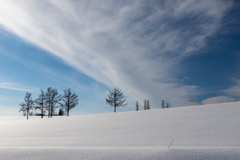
point(15, 86)
point(134, 45)
point(11, 86)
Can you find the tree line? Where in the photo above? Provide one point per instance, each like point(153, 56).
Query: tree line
point(48, 101)
point(117, 99)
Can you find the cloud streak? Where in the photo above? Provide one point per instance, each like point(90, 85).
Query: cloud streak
point(15, 86)
point(134, 45)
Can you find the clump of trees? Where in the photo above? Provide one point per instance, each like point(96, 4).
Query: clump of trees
point(165, 106)
point(146, 105)
point(48, 101)
point(53, 100)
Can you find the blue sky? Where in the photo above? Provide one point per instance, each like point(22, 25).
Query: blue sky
point(185, 52)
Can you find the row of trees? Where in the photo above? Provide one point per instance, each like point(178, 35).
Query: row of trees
point(48, 101)
point(117, 99)
point(165, 106)
point(145, 107)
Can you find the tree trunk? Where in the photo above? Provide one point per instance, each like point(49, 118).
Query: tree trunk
point(51, 110)
point(42, 112)
point(68, 112)
point(27, 115)
point(115, 102)
point(68, 107)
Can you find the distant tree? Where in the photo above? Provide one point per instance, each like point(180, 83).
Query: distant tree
point(116, 98)
point(41, 103)
point(163, 105)
point(52, 99)
point(145, 105)
point(148, 105)
point(27, 105)
point(137, 107)
point(60, 113)
point(167, 105)
point(70, 100)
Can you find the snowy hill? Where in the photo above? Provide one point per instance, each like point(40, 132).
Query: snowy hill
point(196, 132)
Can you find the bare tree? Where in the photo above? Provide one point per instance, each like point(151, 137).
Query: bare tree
point(148, 105)
point(48, 100)
point(137, 106)
point(70, 100)
point(145, 105)
point(27, 105)
point(163, 105)
point(52, 99)
point(41, 103)
point(116, 98)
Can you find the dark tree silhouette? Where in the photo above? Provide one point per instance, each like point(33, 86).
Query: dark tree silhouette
point(145, 105)
point(148, 105)
point(60, 113)
point(137, 106)
point(41, 103)
point(163, 105)
point(116, 98)
point(70, 100)
point(27, 105)
point(52, 99)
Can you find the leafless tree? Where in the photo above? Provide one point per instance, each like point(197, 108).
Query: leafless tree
point(52, 100)
point(145, 105)
point(148, 105)
point(70, 100)
point(163, 104)
point(28, 104)
point(137, 106)
point(41, 103)
point(116, 98)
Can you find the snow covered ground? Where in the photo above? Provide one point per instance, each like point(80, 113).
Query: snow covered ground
point(196, 132)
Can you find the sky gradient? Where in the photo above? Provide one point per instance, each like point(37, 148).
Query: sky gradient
point(186, 52)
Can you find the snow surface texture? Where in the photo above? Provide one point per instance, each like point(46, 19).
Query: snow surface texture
point(196, 132)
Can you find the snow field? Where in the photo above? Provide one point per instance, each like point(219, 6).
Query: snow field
point(196, 132)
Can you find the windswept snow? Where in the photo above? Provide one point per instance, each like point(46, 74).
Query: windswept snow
point(196, 132)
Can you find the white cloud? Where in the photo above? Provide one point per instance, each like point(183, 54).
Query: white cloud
point(134, 45)
point(232, 94)
point(234, 91)
point(15, 86)
point(219, 99)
